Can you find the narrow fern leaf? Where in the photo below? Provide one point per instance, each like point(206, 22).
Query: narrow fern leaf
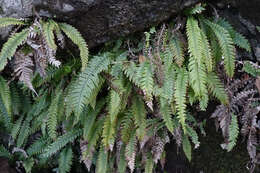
point(139, 112)
point(4, 116)
point(65, 160)
point(180, 95)
point(4, 152)
point(186, 147)
point(77, 39)
point(16, 127)
point(114, 105)
point(6, 95)
point(28, 165)
point(168, 84)
point(61, 142)
point(217, 88)
point(149, 164)
point(165, 110)
point(206, 51)
point(130, 152)
point(6, 21)
point(251, 68)
point(226, 44)
point(48, 33)
point(9, 48)
point(238, 39)
point(102, 160)
point(194, 136)
point(194, 39)
point(108, 133)
point(38, 146)
point(81, 89)
point(233, 133)
point(177, 49)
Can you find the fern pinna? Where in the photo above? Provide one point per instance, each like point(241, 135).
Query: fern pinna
point(115, 112)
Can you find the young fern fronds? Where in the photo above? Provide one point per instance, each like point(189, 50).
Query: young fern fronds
point(6, 21)
point(217, 88)
point(65, 160)
point(77, 39)
point(180, 95)
point(9, 47)
point(237, 38)
point(61, 142)
point(186, 146)
point(48, 33)
point(226, 44)
point(233, 133)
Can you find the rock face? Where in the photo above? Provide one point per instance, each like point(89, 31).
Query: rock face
point(99, 20)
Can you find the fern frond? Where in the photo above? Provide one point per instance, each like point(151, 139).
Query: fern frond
point(206, 52)
point(139, 112)
point(61, 141)
point(37, 147)
point(108, 134)
point(102, 161)
point(195, 10)
point(186, 147)
point(168, 84)
point(165, 110)
point(65, 160)
point(4, 152)
point(194, 39)
point(149, 164)
point(130, 152)
point(6, 95)
point(28, 165)
point(121, 166)
point(226, 44)
point(9, 48)
point(81, 90)
point(48, 33)
point(16, 127)
point(52, 121)
point(15, 99)
point(233, 133)
point(177, 49)
point(24, 132)
point(251, 68)
point(127, 127)
point(6, 21)
point(217, 88)
point(114, 105)
point(237, 38)
point(77, 39)
point(194, 136)
point(130, 71)
point(4, 115)
point(180, 95)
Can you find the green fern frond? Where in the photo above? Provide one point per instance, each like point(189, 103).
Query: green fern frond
point(114, 105)
point(102, 160)
point(206, 52)
point(16, 127)
point(130, 71)
point(165, 110)
point(121, 166)
point(77, 39)
point(15, 99)
point(127, 127)
point(194, 39)
point(180, 95)
point(233, 133)
point(130, 152)
point(28, 165)
point(168, 84)
point(65, 160)
point(149, 164)
point(226, 44)
point(217, 88)
point(108, 135)
point(80, 91)
point(237, 38)
point(195, 10)
point(4, 115)
point(38, 146)
point(9, 48)
point(194, 136)
point(6, 21)
point(139, 112)
point(186, 146)
point(251, 69)
point(52, 121)
point(4, 152)
point(48, 33)
point(177, 48)
point(61, 141)
point(6, 95)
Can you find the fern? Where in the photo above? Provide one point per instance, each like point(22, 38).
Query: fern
point(194, 136)
point(180, 95)
point(177, 48)
point(226, 44)
point(217, 88)
point(166, 114)
point(186, 147)
point(28, 165)
point(130, 152)
point(9, 48)
point(149, 164)
point(6, 21)
point(4, 114)
point(206, 52)
point(65, 160)
point(6, 95)
point(37, 147)
point(114, 105)
point(86, 83)
point(48, 32)
point(108, 134)
point(102, 161)
point(233, 133)
point(16, 127)
point(251, 68)
point(61, 142)
point(77, 39)
point(4, 152)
